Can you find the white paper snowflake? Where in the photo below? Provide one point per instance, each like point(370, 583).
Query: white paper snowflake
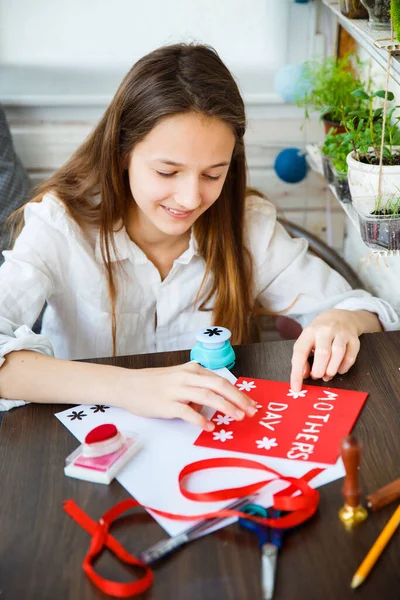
point(300, 394)
point(246, 386)
point(223, 419)
point(223, 435)
point(266, 443)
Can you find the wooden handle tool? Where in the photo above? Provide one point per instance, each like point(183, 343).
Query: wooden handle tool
point(384, 496)
point(352, 513)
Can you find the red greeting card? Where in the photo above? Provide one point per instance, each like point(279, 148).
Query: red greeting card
point(306, 425)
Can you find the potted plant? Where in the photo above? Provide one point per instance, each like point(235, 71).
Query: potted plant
point(334, 151)
point(364, 133)
point(374, 170)
point(327, 87)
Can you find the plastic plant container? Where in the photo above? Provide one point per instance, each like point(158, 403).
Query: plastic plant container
point(341, 185)
point(380, 232)
point(379, 13)
point(353, 9)
point(327, 168)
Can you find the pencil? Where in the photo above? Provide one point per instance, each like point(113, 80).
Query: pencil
point(377, 549)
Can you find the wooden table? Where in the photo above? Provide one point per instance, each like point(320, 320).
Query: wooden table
point(41, 548)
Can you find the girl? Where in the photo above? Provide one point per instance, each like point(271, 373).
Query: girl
point(145, 236)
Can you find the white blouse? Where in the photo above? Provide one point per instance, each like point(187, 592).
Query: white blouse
point(55, 261)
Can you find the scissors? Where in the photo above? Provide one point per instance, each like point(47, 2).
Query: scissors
point(270, 541)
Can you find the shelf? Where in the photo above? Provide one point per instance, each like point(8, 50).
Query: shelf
point(348, 209)
point(360, 30)
point(314, 160)
point(313, 157)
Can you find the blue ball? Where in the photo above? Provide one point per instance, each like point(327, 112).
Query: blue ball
point(291, 165)
point(289, 82)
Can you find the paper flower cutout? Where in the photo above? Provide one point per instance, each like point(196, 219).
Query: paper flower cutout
point(246, 386)
point(223, 435)
point(266, 443)
point(300, 394)
point(223, 419)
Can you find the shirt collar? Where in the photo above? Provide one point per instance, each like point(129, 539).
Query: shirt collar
point(126, 249)
point(192, 250)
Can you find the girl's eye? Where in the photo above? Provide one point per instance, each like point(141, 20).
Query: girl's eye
point(212, 178)
point(209, 177)
point(166, 174)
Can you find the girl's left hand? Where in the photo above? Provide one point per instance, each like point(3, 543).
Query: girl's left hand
point(333, 338)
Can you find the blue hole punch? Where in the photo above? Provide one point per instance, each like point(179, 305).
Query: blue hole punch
point(213, 349)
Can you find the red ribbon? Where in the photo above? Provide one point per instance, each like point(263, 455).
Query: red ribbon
point(300, 507)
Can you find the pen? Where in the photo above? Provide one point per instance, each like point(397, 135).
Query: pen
point(377, 549)
point(168, 545)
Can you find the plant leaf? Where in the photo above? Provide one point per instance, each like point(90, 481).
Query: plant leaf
point(327, 110)
point(360, 94)
point(382, 94)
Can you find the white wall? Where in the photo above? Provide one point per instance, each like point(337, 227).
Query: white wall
point(104, 33)
point(84, 47)
point(61, 62)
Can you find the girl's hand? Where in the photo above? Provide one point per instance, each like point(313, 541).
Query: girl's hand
point(333, 339)
point(168, 393)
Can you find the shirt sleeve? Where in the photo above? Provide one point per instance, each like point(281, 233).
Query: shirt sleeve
point(293, 282)
point(28, 277)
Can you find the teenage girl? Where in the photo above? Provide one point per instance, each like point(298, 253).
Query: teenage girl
point(148, 234)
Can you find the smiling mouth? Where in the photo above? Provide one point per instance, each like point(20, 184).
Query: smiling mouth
point(177, 213)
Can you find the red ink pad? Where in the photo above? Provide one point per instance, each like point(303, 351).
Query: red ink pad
point(103, 454)
point(101, 433)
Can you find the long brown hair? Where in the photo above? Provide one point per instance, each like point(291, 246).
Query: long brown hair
point(174, 79)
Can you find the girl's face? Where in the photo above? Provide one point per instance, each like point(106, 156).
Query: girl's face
point(177, 172)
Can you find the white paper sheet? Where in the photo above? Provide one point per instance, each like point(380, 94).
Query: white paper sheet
point(152, 475)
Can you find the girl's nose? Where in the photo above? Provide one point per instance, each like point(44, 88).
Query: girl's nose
point(189, 195)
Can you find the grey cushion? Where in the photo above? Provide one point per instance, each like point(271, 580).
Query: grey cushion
point(14, 180)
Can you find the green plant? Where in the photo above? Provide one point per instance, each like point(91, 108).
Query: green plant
point(391, 207)
point(364, 130)
point(327, 87)
point(395, 13)
point(336, 148)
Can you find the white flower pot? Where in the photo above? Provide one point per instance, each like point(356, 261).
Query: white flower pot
point(363, 183)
